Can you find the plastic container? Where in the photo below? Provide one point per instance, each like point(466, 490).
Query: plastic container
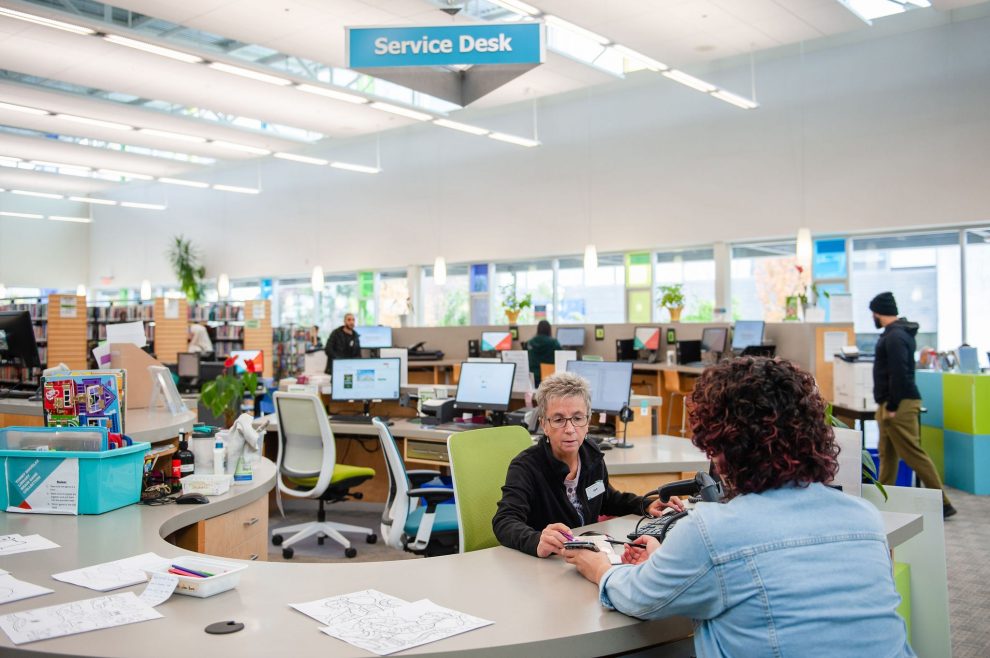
point(226, 575)
point(208, 485)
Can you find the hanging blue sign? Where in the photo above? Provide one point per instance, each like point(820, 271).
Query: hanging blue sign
point(446, 45)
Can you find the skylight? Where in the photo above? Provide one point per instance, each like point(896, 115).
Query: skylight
point(870, 10)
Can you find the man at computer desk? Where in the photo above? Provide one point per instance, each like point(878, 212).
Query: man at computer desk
point(343, 343)
point(561, 482)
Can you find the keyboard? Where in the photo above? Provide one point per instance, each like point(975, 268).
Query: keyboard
point(460, 427)
point(17, 394)
point(695, 364)
point(658, 527)
point(358, 420)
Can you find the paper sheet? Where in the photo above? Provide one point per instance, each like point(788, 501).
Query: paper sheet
point(12, 589)
point(127, 332)
point(113, 575)
point(36, 488)
point(11, 544)
point(102, 355)
point(76, 617)
point(840, 307)
point(832, 344)
point(521, 381)
point(159, 589)
point(561, 357)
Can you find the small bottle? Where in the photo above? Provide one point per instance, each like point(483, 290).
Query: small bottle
point(174, 483)
point(187, 459)
point(218, 454)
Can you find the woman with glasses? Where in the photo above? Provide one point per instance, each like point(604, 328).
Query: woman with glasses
point(561, 482)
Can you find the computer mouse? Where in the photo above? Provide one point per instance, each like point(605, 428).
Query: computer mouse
point(604, 445)
point(192, 499)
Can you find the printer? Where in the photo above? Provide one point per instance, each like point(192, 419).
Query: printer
point(436, 412)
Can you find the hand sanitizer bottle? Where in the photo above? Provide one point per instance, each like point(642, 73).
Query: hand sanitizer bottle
point(218, 454)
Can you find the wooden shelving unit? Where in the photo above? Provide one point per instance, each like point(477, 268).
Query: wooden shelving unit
point(171, 333)
point(258, 331)
point(67, 331)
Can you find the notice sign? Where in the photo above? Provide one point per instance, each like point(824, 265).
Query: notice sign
point(44, 486)
point(67, 307)
point(446, 45)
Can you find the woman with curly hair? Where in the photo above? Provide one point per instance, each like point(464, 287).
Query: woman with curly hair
point(788, 566)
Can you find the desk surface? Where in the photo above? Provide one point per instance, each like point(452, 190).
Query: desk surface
point(540, 607)
point(141, 424)
point(660, 367)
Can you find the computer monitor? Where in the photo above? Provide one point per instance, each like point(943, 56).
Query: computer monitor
point(366, 379)
point(646, 338)
point(485, 386)
point(257, 357)
point(713, 339)
point(209, 370)
point(496, 341)
point(570, 336)
point(746, 333)
point(17, 339)
point(188, 365)
point(610, 382)
point(374, 337)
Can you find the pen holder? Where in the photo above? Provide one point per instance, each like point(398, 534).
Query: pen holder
point(225, 576)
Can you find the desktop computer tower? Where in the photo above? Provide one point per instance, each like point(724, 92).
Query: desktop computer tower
point(624, 350)
point(474, 349)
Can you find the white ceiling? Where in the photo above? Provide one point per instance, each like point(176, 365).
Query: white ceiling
point(680, 33)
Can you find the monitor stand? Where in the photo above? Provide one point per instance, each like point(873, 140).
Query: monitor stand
point(498, 418)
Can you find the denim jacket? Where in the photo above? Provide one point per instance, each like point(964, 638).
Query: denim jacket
point(795, 571)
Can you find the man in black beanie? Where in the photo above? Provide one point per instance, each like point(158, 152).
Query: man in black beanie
point(898, 399)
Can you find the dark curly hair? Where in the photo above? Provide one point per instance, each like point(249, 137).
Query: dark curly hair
point(766, 419)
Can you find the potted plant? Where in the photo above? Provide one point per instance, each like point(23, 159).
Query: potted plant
point(512, 304)
point(672, 299)
point(189, 272)
point(223, 396)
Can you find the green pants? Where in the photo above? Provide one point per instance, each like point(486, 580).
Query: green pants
point(900, 438)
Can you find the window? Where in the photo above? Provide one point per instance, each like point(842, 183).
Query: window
point(695, 270)
point(599, 296)
point(446, 305)
point(245, 291)
point(764, 275)
point(977, 284)
point(297, 304)
point(393, 299)
point(533, 278)
point(339, 297)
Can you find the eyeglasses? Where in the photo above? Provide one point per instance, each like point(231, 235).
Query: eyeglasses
point(577, 420)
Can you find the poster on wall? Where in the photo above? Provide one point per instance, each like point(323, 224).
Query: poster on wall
point(257, 310)
point(67, 307)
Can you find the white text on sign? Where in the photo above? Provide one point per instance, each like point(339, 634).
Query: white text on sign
point(465, 43)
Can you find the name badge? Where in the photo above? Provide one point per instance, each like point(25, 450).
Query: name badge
point(597, 489)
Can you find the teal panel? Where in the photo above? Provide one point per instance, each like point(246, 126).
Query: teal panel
point(958, 402)
point(930, 386)
point(967, 462)
point(933, 442)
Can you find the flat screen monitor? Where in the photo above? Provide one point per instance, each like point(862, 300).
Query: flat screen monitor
point(610, 382)
point(496, 341)
point(570, 336)
point(485, 386)
point(188, 365)
point(747, 333)
point(374, 337)
point(366, 379)
point(646, 338)
point(713, 339)
point(257, 357)
point(17, 338)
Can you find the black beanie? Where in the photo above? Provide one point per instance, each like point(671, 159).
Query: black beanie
point(884, 304)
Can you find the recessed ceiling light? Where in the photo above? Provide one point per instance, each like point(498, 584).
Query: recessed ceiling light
point(240, 147)
point(21, 108)
point(171, 135)
point(42, 195)
point(47, 22)
point(79, 220)
point(363, 169)
point(235, 188)
point(401, 111)
point(183, 181)
point(513, 139)
point(144, 206)
point(463, 127)
point(301, 158)
point(332, 93)
point(99, 202)
point(152, 48)
point(113, 125)
point(250, 73)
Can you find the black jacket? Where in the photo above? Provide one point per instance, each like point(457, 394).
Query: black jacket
point(893, 369)
point(341, 345)
point(534, 496)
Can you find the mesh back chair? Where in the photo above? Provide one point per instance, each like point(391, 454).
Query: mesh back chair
point(479, 460)
point(429, 529)
point(307, 468)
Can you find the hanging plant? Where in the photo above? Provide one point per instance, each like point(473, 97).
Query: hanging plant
point(185, 264)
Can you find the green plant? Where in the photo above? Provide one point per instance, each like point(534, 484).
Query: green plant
point(189, 272)
point(512, 302)
point(223, 395)
point(671, 296)
point(869, 468)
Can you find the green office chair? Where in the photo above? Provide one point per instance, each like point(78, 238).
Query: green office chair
point(307, 468)
point(479, 460)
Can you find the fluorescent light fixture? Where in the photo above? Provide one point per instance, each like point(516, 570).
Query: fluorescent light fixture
point(171, 135)
point(223, 285)
point(463, 127)
point(332, 93)
point(401, 111)
point(80, 290)
point(560, 23)
point(250, 73)
point(440, 271)
point(183, 181)
point(363, 169)
point(43, 195)
point(143, 206)
point(513, 139)
point(590, 258)
point(301, 158)
point(99, 202)
point(112, 125)
point(517, 7)
point(152, 48)
point(241, 147)
point(125, 174)
point(22, 215)
point(78, 220)
point(47, 22)
point(235, 188)
point(317, 280)
point(145, 290)
point(23, 108)
point(689, 81)
point(738, 101)
point(59, 165)
point(637, 56)
point(8, 161)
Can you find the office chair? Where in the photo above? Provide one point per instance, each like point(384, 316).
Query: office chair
point(672, 382)
point(406, 524)
point(479, 460)
point(546, 370)
point(307, 468)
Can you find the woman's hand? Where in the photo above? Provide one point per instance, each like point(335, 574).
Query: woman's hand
point(590, 564)
point(656, 508)
point(639, 555)
point(552, 539)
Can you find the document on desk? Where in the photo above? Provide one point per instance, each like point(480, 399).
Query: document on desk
point(160, 588)
point(12, 589)
point(11, 544)
point(76, 617)
point(384, 624)
point(114, 575)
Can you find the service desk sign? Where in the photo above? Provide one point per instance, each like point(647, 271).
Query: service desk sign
point(446, 45)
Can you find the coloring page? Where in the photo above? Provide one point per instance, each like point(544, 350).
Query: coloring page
point(12, 589)
point(113, 575)
point(76, 617)
point(348, 607)
point(11, 544)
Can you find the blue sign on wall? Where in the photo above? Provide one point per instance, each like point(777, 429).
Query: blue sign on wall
point(488, 43)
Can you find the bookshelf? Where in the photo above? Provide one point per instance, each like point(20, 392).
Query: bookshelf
point(38, 309)
point(103, 314)
point(289, 347)
point(258, 331)
point(171, 318)
point(238, 326)
point(67, 331)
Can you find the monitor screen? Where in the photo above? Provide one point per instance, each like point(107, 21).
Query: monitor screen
point(486, 386)
point(374, 337)
point(646, 338)
point(570, 336)
point(257, 357)
point(713, 339)
point(610, 382)
point(366, 379)
point(746, 333)
point(17, 338)
point(492, 341)
point(188, 365)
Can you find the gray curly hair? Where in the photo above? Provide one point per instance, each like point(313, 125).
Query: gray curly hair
point(561, 385)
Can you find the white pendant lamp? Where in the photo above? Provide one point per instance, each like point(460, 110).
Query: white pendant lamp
point(440, 271)
point(223, 285)
point(145, 290)
point(590, 258)
point(317, 281)
point(804, 248)
point(80, 290)
point(3, 291)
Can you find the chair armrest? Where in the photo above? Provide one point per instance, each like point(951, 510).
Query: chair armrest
point(418, 477)
point(432, 495)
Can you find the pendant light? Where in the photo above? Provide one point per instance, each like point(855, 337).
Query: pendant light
point(590, 259)
point(804, 249)
point(145, 290)
point(80, 290)
point(318, 281)
point(440, 271)
point(223, 286)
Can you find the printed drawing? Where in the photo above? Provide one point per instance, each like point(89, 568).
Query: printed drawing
point(10, 543)
point(76, 617)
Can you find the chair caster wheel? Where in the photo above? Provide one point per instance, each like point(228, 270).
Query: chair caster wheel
point(319, 540)
point(276, 540)
point(287, 553)
point(349, 552)
point(372, 538)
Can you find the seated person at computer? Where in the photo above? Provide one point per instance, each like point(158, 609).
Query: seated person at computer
point(541, 348)
point(343, 343)
point(561, 482)
point(199, 340)
point(314, 337)
point(789, 566)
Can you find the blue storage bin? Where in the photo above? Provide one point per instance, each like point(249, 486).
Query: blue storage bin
point(904, 474)
point(108, 479)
